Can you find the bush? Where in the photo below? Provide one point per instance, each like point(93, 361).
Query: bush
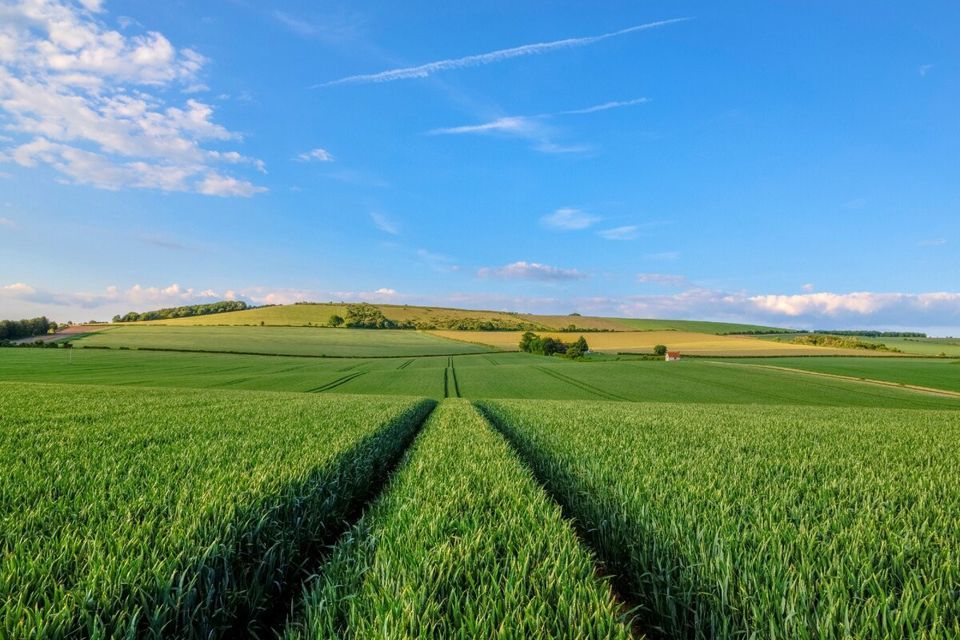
point(660, 350)
point(335, 321)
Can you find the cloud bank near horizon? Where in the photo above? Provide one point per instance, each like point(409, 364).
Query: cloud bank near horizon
point(821, 310)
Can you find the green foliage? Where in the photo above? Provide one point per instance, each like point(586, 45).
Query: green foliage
point(772, 522)
point(578, 349)
point(335, 321)
point(542, 346)
point(875, 334)
point(184, 312)
point(148, 513)
point(15, 329)
point(839, 342)
point(660, 350)
point(464, 544)
point(367, 316)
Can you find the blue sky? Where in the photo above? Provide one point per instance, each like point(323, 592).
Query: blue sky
point(792, 163)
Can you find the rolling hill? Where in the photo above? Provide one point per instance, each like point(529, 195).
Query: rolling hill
point(318, 314)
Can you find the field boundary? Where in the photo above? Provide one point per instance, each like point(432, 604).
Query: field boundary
point(883, 383)
point(290, 355)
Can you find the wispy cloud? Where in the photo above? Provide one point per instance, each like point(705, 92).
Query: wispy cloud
point(534, 127)
point(384, 223)
point(569, 219)
point(438, 262)
point(935, 242)
point(666, 279)
point(319, 154)
point(162, 241)
point(523, 126)
point(924, 69)
point(626, 232)
point(613, 104)
point(522, 270)
point(424, 70)
point(8, 223)
point(297, 25)
point(663, 255)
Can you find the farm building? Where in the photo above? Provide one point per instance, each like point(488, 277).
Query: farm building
point(672, 356)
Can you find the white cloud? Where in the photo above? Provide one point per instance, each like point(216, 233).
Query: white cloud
point(808, 288)
point(424, 70)
point(90, 102)
point(917, 311)
point(667, 279)
point(7, 222)
point(924, 69)
point(219, 185)
point(534, 127)
point(936, 242)
point(613, 104)
point(319, 154)
point(384, 223)
point(569, 219)
point(524, 126)
point(522, 270)
point(627, 232)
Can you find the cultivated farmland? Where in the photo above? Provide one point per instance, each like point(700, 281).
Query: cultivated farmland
point(147, 513)
point(760, 522)
point(722, 498)
point(690, 343)
point(463, 544)
point(305, 341)
point(488, 375)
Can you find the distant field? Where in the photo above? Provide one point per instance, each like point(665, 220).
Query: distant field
point(279, 340)
point(696, 326)
point(643, 342)
point(933, 373)
point(950, 347)
point(319, 315)
point(493, 375)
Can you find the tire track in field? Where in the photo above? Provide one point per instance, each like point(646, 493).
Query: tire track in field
point(405, 365)
point(333, 384)
point(584, 386)
point(451, 387)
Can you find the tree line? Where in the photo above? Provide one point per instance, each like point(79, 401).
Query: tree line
point(875, 334)
point(16, 329)
point(548, 346)
point(184, 312)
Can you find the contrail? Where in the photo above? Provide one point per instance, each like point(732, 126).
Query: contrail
point(424, 70)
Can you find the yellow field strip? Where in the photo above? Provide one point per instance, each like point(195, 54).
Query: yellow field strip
point(686, 342)
point(882, 383)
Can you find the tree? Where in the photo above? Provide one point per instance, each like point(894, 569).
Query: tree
point(527, 341)
point(660, 350)
point(335, 321)
point(578, 349)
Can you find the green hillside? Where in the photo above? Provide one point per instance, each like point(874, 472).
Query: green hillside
point(409, 316)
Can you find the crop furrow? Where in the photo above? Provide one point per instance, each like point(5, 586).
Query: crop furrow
point(336, 383)
point(462, 544)
point(606, 395)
